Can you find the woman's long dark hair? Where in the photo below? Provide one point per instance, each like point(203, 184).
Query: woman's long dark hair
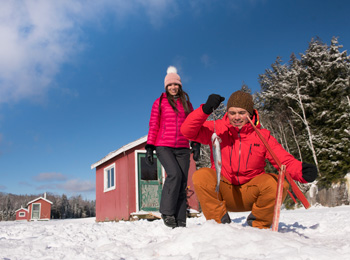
point(184, 98)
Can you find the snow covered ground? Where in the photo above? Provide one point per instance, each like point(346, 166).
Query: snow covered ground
point(316, 233)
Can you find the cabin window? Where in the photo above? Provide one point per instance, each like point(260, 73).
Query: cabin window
point(109, 178)
point(22, 214)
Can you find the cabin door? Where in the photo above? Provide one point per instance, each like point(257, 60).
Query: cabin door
point(36, 211)
point(150, 183)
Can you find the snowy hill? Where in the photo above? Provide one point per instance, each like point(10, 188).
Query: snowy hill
point(316, 233)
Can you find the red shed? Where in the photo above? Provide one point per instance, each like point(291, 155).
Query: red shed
point(39, 209)
point(125, 184)
point(22, 214)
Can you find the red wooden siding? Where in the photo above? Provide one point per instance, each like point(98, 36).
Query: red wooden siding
point(23, 211)
point(119, 203)
point(45, 209)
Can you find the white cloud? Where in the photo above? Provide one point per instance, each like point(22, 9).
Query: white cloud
point(25, 183)
point(158, 10)
point(47, 187)
point(54, 182)
point(77, 186)
point(39, 36)
point(205, 60)
point(50, 176)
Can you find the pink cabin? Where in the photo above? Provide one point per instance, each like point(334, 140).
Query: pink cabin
point(126, 185)
point(22, 214)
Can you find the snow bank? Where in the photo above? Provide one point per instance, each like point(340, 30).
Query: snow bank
point(316, 233)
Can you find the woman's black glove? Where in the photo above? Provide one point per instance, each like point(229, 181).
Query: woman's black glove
point(212, 103)
point(149, 154)
point(309, 172)
point(196, 150)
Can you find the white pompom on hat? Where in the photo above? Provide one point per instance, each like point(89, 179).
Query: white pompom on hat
point(172, 77)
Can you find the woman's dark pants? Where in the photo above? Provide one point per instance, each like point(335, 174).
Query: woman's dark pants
point(176, 162)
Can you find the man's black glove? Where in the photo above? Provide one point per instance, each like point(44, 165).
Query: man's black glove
point(149, 153)
point(196, 150)
point(212, 103)
point(309, 172)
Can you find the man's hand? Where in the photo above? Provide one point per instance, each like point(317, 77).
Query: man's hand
point(212, 103)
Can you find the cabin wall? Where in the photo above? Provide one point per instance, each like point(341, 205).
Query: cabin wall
point(45, 210)
point(25, 217)
point(117, 204)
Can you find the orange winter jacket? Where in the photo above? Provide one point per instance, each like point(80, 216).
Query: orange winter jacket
point(242, 152)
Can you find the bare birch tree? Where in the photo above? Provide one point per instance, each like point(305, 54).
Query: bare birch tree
point(295, 138)
point(298, 99)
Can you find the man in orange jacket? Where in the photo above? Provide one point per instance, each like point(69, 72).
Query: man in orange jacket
point(244, 185)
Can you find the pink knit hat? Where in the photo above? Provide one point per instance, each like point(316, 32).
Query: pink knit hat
point(172, 77)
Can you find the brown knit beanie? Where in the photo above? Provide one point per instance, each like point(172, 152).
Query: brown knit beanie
point(242, 100)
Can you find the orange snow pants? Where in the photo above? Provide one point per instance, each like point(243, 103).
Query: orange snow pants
point(258, 196)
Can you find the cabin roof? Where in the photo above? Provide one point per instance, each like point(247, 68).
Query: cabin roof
point(30, 202)
point(22, 209)
point(120, 150)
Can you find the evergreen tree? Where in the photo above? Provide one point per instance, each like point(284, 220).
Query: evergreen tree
point(328, 72)
point(275, 85)
point(308, 100)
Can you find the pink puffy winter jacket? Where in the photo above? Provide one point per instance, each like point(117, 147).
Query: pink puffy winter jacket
point(164, 127)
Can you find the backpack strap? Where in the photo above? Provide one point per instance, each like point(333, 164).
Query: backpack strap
point(160, 102)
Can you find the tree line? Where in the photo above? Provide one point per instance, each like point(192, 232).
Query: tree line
point(305, 103)
point(62, 207)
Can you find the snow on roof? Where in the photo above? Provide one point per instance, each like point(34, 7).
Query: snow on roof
point(120, 150)
point(21, 209)
point(30, 202)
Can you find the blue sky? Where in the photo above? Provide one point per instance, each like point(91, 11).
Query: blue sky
point(78, 78)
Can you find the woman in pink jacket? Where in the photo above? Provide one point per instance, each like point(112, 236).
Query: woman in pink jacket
point(168, 113)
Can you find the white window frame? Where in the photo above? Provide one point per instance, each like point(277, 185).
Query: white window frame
point(106, 171)
point(22, 214)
